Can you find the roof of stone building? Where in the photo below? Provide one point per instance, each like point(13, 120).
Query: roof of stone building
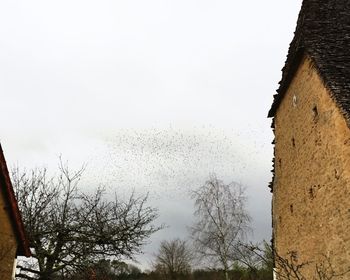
point(15, 215)
point(322, 33)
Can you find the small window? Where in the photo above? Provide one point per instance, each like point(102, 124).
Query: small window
point(291, 209)
point(293, 142)
point(315, 113)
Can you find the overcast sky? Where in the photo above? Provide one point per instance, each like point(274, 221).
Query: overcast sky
point(152, 95)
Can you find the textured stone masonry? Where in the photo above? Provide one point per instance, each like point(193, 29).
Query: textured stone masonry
point(311, 188)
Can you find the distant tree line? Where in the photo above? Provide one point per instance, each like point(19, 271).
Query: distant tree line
point(217, 248)
point(112, 270)
point(84, 236)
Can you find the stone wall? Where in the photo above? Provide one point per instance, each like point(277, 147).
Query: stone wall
point(8, 244)
point(311, 189)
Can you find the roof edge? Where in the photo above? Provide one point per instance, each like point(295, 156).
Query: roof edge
point(284, 84)
point(23, 246)
point(293, 68)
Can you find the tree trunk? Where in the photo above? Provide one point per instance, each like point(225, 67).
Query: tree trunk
point(226, 275)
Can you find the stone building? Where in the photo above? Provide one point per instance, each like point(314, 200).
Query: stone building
point(13, 241)
point(311, 120)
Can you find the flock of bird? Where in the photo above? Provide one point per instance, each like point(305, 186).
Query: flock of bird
point(169, 162)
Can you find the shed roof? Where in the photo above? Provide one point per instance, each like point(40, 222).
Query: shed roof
point(15, 215)
point(322, 33)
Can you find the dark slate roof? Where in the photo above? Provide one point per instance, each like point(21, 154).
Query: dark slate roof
point(323, 33)
point(15, 215)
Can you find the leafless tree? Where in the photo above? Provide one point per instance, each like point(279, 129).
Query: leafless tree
point(288, 267)
point(173, 259)
point(68, 229)
point(222, 222)
point(257, 258)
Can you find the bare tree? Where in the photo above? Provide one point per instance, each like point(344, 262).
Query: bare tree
point(288, 267)
point(256, 256)
point(173, 259)
point(222, 222)
point(68, 229)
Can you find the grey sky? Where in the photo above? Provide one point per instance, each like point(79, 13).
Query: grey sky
point(153, 95)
